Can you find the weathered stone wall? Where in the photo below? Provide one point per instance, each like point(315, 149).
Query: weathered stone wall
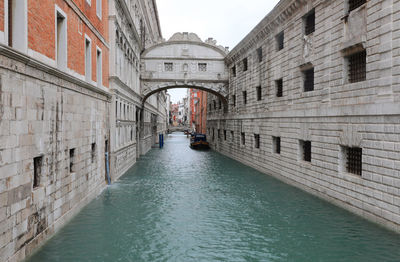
point(335, 115)
point(46, 115)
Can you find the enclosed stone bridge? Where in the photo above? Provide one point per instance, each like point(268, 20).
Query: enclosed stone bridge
point(185, 61)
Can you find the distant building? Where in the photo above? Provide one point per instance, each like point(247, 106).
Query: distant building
point(198, 110)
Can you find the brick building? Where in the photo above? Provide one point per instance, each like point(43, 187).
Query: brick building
point(314, 100)
point(198, 106)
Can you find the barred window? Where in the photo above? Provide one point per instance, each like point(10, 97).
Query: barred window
point(244, 97)
point(309, 23)
point(202, 67)
point(256, 140)
point(245, 64)
point(305, 149)
point(280, 38)
point(243, 136)
point(354, 160)
point(260, 54)
point(169, 67)
point(71, 160)
point(308, 76)
point(234, 100)
point(259, 94)
point(357, 67)
point(37, 170)
point(218, 134)
point(354, 4)
point(233, 71)
point(279, 87)
point(224, 134)
point(276, 144)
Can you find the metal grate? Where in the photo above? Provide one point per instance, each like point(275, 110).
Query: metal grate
point(245, 64)
point(37, 170)
point(357, 67)
point(244, 97)
point(308, 80)
point(243, 138)
point(169, 67)
point(307, 151)
point(309, 23)
point(354, 160)
point(354, 4)
point(202, 67)
point(259, 94)
point(279, 87)
point(260, 54)
point(280, 38)
point(256, 140)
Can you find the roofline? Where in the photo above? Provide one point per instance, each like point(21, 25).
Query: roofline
point(157, 18)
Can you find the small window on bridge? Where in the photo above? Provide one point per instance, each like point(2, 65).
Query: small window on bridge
point(202, 67)
point(353, 159)
point(169, 67)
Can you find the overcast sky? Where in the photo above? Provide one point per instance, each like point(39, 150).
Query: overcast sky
point(227, 21)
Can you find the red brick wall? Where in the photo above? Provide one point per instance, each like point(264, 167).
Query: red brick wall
point(2, 15)
point(41, 33)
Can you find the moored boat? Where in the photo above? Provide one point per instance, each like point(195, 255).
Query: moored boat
point(199, 141)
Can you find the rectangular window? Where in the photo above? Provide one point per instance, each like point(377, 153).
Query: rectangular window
point(93, 152)
point(309, 22)
point(243, 138)
point(234, 100)
point(218, 134)
point(258, 92)
point(37, 170)
point(169, 67)
point(245, 64)
point(260, 54)
point(71, 160)
point(244, 97)
point(233, 71)
point(202, 67)
point(99, 69)
point(305, 150)
point(353, 157)
point(357, 67)
point(280, 38)
point(354, 4)
point(232, 136)
point(98, 8)
point(61, 41)
point(225, 135)
point(279, 87)
point(17, 24)
point(88, 60)
point(308, 76)
point(256, 140)
point(276, 144)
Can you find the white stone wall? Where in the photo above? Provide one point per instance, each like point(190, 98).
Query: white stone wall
point(46, 115)
point(336, 114)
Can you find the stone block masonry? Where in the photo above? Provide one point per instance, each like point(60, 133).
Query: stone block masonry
point(321, 74)
point(43, 119)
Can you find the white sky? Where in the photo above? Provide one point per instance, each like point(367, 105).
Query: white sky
point(227, 21)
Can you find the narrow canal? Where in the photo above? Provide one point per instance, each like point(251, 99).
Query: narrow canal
point(177, 204)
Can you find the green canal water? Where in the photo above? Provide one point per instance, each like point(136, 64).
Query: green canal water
point(177, 204)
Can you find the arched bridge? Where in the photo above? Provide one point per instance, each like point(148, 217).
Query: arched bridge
point(185, 61)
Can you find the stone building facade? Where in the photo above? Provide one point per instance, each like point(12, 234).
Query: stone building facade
point(133, 26)
point(314, 97)
point(69, 93)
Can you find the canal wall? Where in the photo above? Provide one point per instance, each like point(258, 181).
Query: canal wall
point(314, 100)
point(53, 133)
